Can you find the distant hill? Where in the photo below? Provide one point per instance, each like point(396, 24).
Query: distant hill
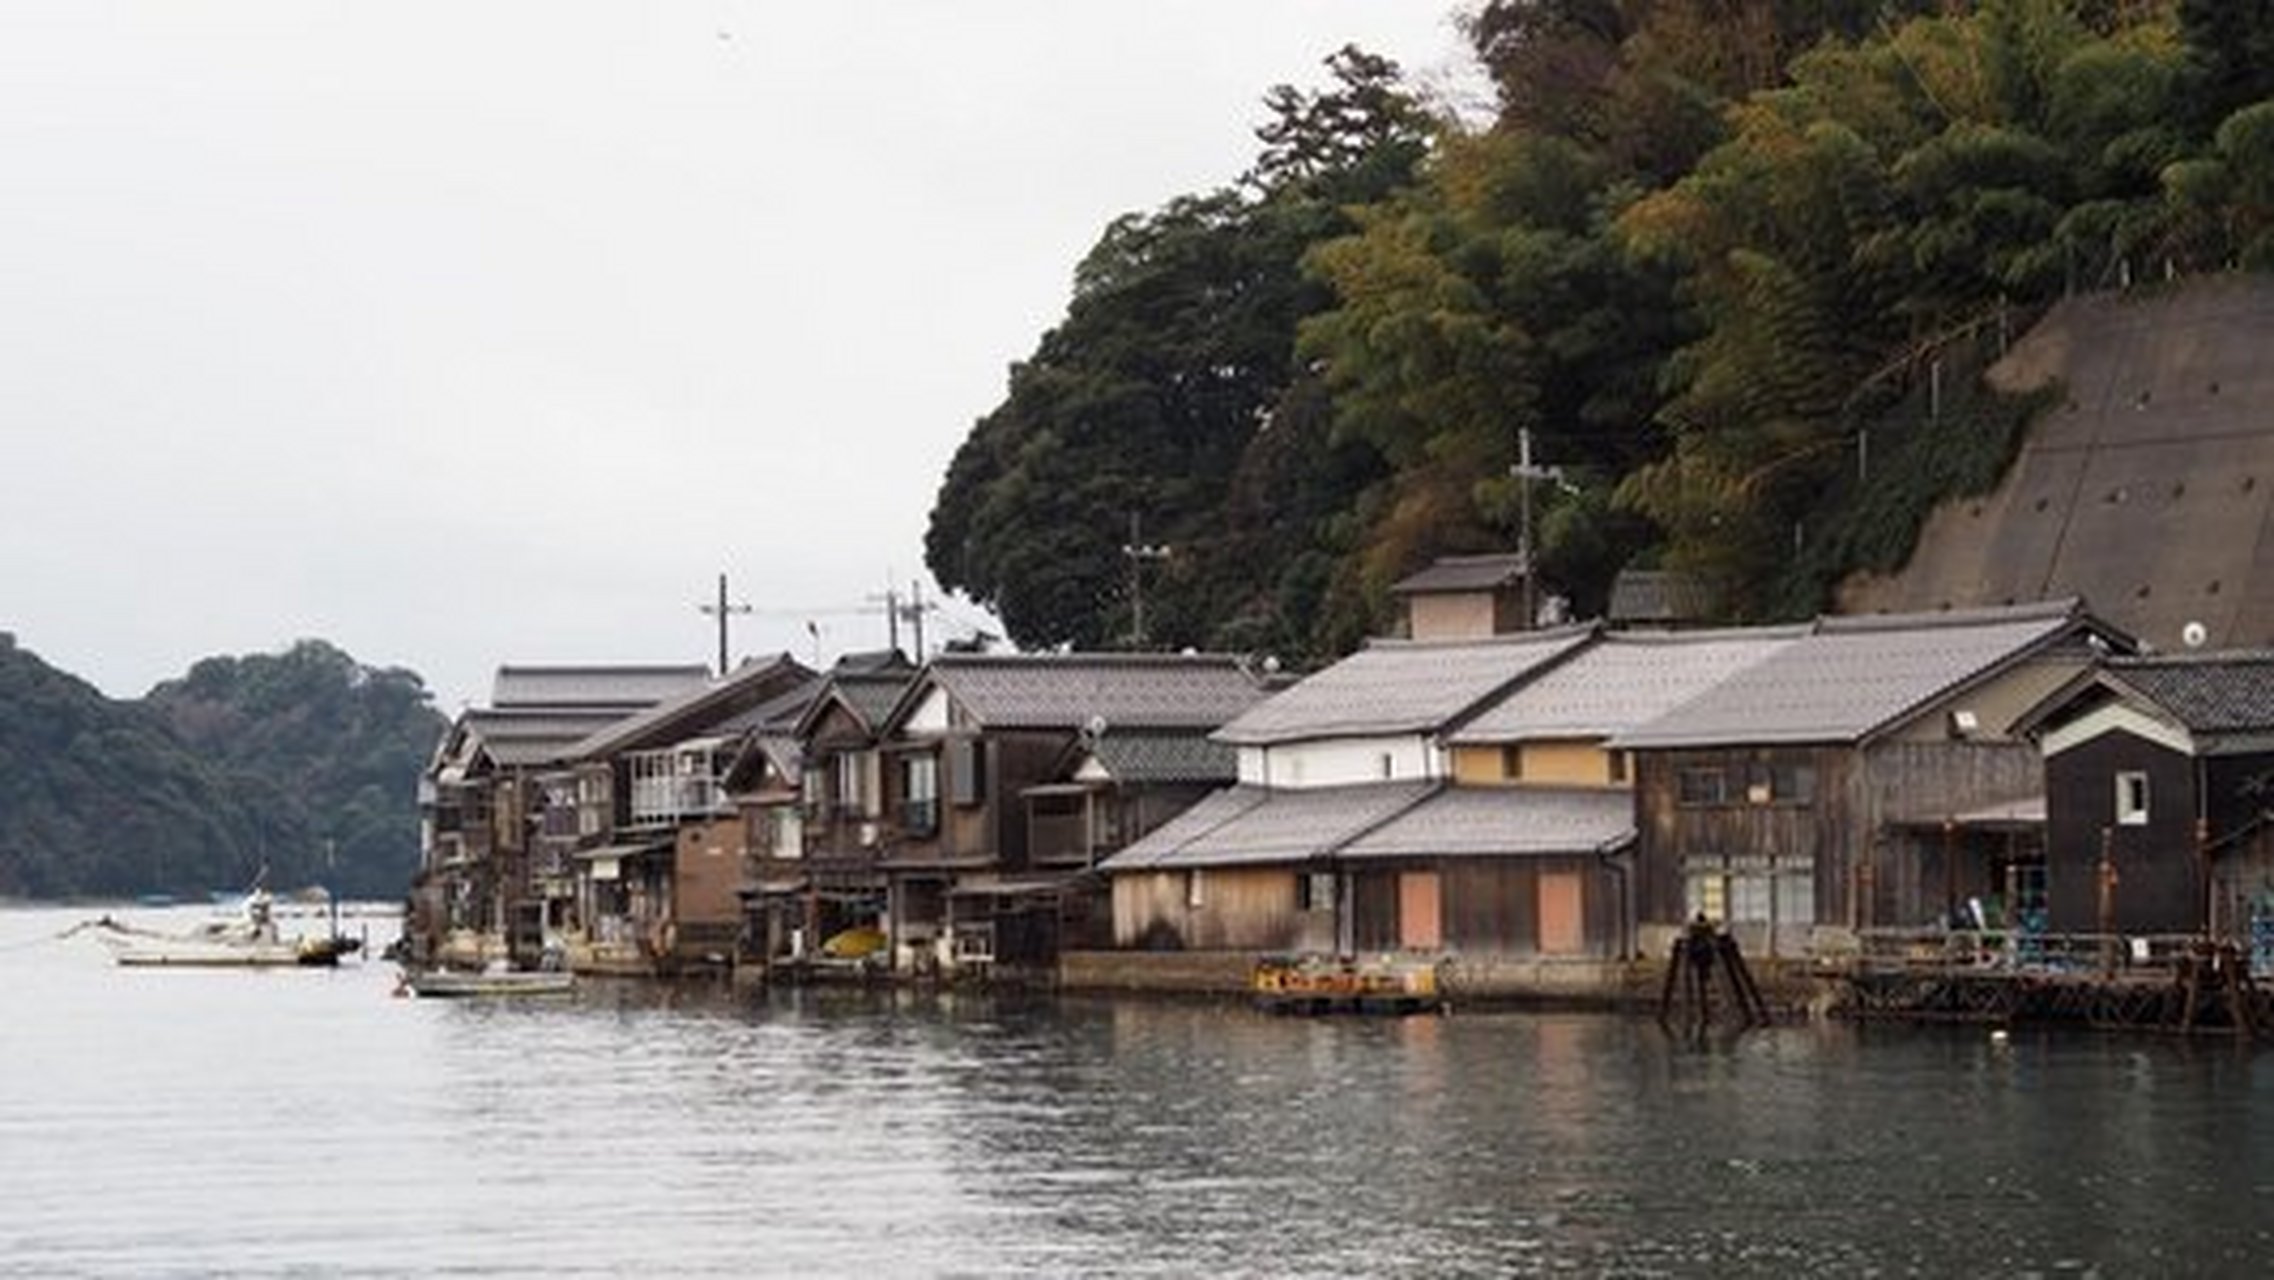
point(273, 760)
point(2147, 485)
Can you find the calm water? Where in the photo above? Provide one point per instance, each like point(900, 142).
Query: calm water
point(295, 1123)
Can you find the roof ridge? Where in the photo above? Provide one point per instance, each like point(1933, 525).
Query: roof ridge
point(2063, 609)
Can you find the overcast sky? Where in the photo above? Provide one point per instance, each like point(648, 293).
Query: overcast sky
point(458, 333)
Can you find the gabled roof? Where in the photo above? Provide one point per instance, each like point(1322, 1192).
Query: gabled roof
point(531, 736)
point(1071, 690)
point(867, 692)
point(1851, 678)
point(1402, 686)
point(626, 688)
point(700, 711)
point(1626, 680)
point(2223, 700)
point(1463, 573)
point(1504, 822)
point(1249, 824)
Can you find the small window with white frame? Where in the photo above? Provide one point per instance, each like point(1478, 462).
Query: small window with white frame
point(2132, 798)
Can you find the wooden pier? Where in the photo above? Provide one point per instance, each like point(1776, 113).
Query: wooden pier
point(2183, 985)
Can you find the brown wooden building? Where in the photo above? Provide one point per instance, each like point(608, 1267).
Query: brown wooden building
point(1868, 774)
point(1002, 779)
point(2159, 779)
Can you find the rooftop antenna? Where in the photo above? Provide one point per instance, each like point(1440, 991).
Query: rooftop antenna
point(722, 610)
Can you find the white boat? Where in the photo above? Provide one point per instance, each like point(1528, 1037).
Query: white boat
point(461, 983)
point(248, 939)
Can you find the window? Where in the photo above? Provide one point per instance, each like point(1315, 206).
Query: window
point(1701, 786)
point(851, 792)
point(1512, 762)
point(1618, 766)
point(1781, 783)
point(1389, 765)
point(813, 793)
point(920, 793)
point(967, 771)
point(2132, 799)
point(1195, 889)
point(1314, 891)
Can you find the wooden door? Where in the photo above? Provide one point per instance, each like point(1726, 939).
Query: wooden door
point(1563, 919)
point(1420, 913)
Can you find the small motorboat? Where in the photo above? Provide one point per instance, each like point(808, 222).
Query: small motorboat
point(464, 983)
point(248, 939)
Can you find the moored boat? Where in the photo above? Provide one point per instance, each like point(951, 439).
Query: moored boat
point(249, 939)
point(461, 983)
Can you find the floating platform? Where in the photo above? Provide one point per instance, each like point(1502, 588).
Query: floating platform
point(1388, 986)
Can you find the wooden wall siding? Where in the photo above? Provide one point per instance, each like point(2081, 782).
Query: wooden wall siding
point(1373, 910)
point(1912, 871)
point(2159, 886)
point(1242, 909)
point(1668, 832)
point(1016, 761)
point(1493, 905)
point(708, 871)
point(1454, 616)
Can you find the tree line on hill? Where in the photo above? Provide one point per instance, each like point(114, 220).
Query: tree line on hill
point(301, 765)
point(1731, 263)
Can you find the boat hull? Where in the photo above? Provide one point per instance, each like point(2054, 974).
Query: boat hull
point(459, 986)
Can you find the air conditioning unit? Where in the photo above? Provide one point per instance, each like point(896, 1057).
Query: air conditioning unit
point(868, 835)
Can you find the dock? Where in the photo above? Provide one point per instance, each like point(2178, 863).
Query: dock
point(2178, 984)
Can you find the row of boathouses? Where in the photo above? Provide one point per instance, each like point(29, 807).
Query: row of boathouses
point(1538, 812)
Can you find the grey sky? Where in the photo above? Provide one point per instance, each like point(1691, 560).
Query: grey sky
point(461, 332)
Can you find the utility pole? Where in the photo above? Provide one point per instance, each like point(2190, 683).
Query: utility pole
point(914, 611)
point(1138, 552)
point(722, 610)
point(1525, 473)
point(891, 602)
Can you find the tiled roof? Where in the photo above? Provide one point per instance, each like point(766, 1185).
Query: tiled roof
point(1504, 821)
point(1627, 679)
point(1658, 596)
point(689, 706)
point(1463, 573)
point(1065, 691)
point(1401, 686)
point(625, 687)
point(1851, 677)
point(872, 697)
point(520, 737)
point(1248, 824)
point(2222, 698)
point(1143, 757)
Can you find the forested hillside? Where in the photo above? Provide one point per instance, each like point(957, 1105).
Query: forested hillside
point(1733, 263)
point(269, 761)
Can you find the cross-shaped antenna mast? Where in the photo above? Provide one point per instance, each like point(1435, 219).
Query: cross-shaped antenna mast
point(722, 610)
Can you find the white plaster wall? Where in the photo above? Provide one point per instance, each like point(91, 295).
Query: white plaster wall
point(1340, 761)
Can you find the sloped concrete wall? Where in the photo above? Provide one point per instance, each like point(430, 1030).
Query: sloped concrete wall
point(2148, 489)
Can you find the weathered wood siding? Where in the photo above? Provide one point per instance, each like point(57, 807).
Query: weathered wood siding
point(1915, 871)
point(1240, 909)
point(1670, 832)
point(2159, 886)
point(1491, 906)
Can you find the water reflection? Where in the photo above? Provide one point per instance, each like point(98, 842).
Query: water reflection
point(250, 1124)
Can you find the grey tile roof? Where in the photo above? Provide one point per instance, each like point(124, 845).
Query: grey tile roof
point(625, 687)
point(2226, 699)
point(1248, 824)
point(1625, 680)
point(688, 706)
point(1851, 677)
point(1064, 691)
point(1504, 821)
point(1153, 757)
point(517, 737)
point(872, 697)
point(1463, 573)
point(1658, 596)
point(1401, 686)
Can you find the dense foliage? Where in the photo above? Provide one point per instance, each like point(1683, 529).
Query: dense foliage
point(304, 763)
point(1704, 252)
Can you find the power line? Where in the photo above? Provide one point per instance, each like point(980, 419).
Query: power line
point(722, 611)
